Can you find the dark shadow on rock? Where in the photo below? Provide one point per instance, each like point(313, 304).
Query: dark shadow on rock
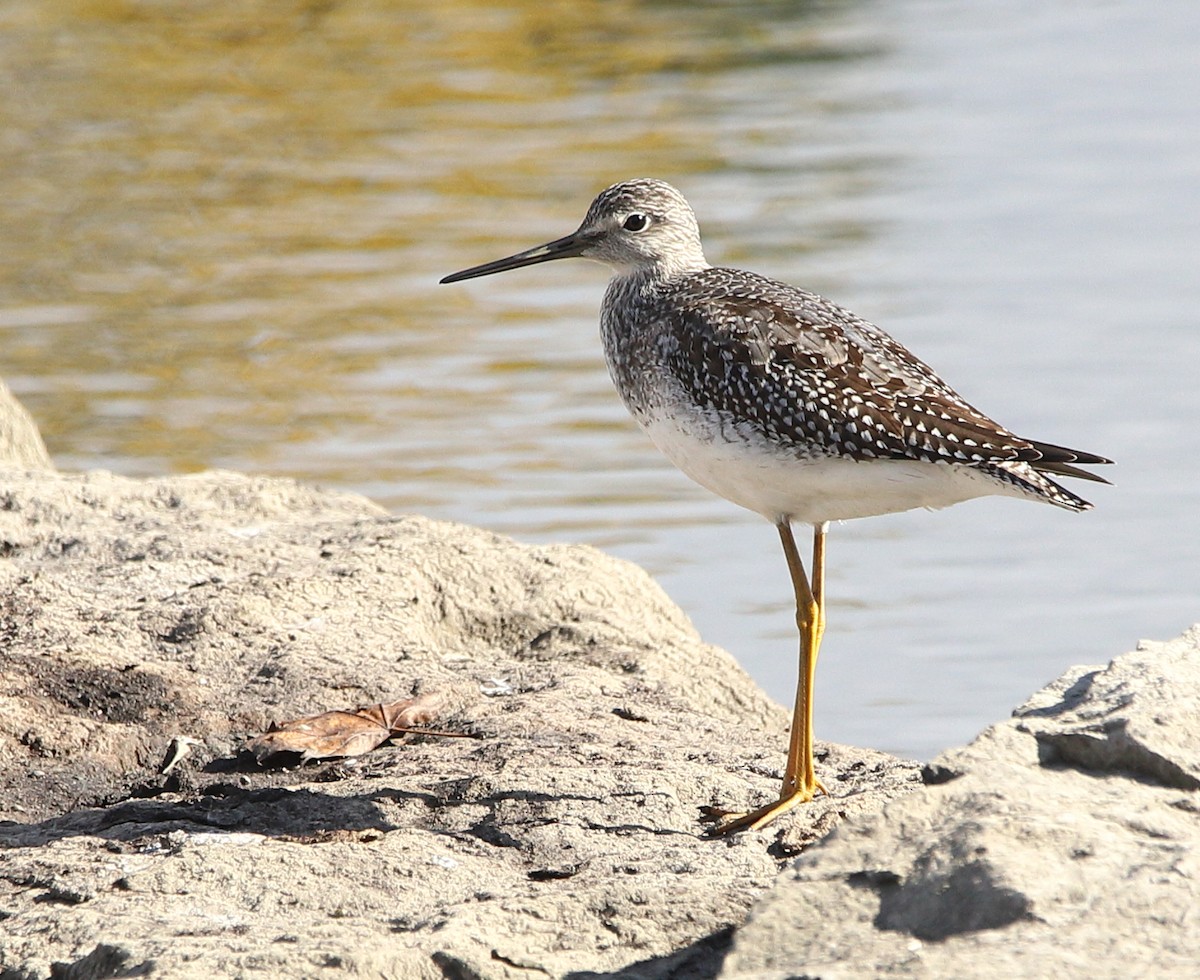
point(302, 812)
point(102, 963)
point(105, 962)
point(936, 907)
point(1071, 698)
point(702, 960)
point(271, 812)
point(1109, 750)
point(937, 773)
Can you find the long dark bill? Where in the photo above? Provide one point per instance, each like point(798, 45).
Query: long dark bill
point(563, 248)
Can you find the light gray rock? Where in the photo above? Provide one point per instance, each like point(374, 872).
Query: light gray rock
point(563, 841)
point(1060, 843)
point(21, 445)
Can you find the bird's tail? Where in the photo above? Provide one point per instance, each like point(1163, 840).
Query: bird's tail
point(1027, 480)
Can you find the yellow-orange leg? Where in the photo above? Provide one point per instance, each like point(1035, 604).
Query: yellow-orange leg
point(800, 782)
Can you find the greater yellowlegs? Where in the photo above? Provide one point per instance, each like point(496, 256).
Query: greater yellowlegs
point(786, 404)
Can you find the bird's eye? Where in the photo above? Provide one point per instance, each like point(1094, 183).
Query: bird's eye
point(636, 222)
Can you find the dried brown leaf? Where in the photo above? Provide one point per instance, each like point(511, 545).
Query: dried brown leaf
point(408, 713)
point(324, 736)
point(338, 734)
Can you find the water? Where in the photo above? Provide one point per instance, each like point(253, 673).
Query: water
point(223, 234)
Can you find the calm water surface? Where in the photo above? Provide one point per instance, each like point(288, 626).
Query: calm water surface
point(224, 227)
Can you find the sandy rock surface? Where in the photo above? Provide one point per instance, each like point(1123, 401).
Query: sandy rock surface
point(21, 445)
point(1064, 842)
point(562, 840)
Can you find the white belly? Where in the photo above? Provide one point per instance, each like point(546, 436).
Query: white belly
point(817, 490)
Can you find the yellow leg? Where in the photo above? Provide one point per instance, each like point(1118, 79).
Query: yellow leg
point(800, 782)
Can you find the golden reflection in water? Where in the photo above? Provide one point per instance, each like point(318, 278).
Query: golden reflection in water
point(228, 219)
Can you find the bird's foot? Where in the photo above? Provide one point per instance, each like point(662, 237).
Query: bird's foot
point(725, 822)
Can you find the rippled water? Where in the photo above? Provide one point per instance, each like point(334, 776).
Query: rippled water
point(224, 227)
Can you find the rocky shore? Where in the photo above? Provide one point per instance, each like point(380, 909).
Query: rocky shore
point(151, 627)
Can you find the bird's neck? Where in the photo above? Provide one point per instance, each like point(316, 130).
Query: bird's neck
point(632, 289)
point(645, 279)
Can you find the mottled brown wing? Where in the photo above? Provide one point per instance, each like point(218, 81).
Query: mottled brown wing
point(804, 369)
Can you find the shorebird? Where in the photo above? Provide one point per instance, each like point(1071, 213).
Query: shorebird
point(786, 404)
